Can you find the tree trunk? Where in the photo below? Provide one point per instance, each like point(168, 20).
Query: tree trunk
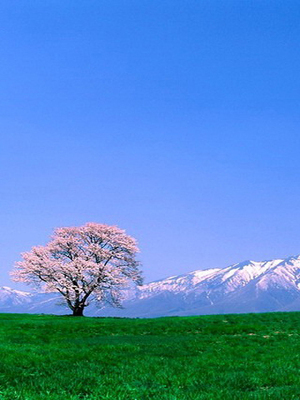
point(78, 312)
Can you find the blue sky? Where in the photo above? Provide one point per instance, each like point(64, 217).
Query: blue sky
point(175, 120)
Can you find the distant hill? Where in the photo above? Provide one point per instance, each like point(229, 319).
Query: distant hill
point(245, 287)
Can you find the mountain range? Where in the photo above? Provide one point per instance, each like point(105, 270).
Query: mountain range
point(246, 287)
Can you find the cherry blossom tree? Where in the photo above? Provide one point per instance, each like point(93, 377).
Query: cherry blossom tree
point(93, 262)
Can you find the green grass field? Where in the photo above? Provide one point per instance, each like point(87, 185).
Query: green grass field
point(251, 356)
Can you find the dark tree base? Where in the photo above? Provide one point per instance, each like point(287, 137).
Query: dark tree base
point(78, 312)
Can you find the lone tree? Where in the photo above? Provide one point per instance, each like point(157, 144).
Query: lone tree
point(91, 262)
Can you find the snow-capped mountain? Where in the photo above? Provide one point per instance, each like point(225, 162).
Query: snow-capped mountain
point(249, 286)
point(13, 300)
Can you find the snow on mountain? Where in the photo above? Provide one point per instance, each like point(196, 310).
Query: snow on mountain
point(11, 299)
point(248, 286)
point(226, 280)
point(176, 284)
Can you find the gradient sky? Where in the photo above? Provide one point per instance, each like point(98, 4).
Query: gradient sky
point(175, 120)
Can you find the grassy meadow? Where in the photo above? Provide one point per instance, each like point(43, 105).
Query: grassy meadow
point(251, 356)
